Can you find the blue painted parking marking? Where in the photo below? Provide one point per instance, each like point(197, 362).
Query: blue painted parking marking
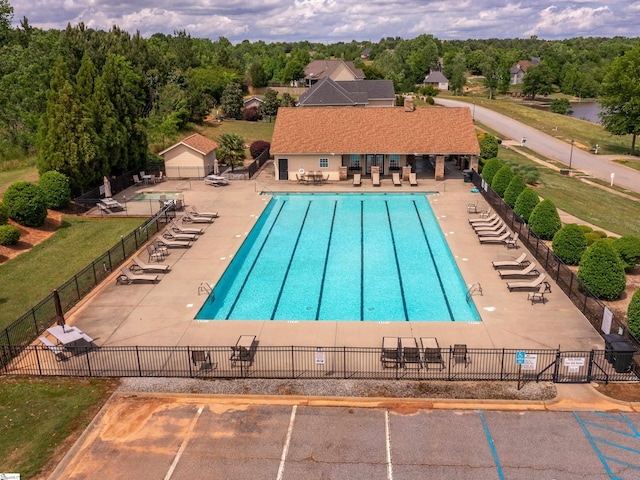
point(491, 445)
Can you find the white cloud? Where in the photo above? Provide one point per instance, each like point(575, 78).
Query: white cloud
point(554, 22)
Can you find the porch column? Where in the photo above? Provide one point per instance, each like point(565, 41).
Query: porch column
point(439, 167)
point(473, 162)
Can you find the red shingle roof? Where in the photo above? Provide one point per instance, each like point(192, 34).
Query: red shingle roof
point(345, 130)
point(199, 143)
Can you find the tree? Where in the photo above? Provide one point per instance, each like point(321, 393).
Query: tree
point(537, 81)
point(6, 15)
point(514, 189)
point(56, 190)
point(258, 147)
point(489, 146)
point(231, 149)
point(501, 180)
point(544, 220)
point(492, 72)
point(620, 96)
point(633, 314)
point(256, 76)
point(231, 101)
point(455, 70)
point(525, 203)
point(602, 271)
point(628, 247)
point(269, 108)
point(490, 169)
point(569, 243)
point(561, 106)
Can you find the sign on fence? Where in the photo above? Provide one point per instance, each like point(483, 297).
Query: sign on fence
point(319, 356)
point(574, 364)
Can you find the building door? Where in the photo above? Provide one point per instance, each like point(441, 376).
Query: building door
point(375, 161)
point(283, 169)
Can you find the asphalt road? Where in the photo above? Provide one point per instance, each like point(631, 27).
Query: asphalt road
point(598, 166)
point(150, 439)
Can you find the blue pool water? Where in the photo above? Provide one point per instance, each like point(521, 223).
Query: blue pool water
point(346, 257)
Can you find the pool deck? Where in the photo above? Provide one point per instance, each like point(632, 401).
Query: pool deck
point(163, 314)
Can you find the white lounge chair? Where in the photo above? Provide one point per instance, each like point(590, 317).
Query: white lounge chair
point(495, 228)
point(396, 179)
point(139, 266)
point(493, 239)
point(489, 219)
point(375, 179)
point(174, 243)
point(413, 180)
point(177, 228)
point(171, 235)
point(528, 271)
point(487, 225)
point(128, 277)
point(357, 179)
point(189, 217)
point(197, 213)
point(517, 263)
point(530, 285)
point(497, 232)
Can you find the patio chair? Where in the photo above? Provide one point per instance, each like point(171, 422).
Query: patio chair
point(528, 271)
point(495, 239)
point(478, 221)
point(154, 254)
point(160, 177)
point(472, 207)
point(390, 356)
point(201, 359)
point(396, 179)
point(517, 263)
point(160, 248)
point(243, 351)
point(413, 180)
point(136, 180)
point(174, 243)
point(357, 179)
point(194, 230)
point(141, 173)
point(172, 235)
point(513, 242)
point(152, 179)
point(410, 353)
point(530, 285)
point(460, 354)
point(128, 277)
point(189, 217)
point(139, 266)
point(431, 352)
point(375, 179)
point(538, 296)
point(196, 213)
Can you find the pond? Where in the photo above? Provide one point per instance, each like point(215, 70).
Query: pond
point(586, 111)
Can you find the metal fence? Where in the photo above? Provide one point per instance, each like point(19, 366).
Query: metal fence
point(258, 163)
point(30, 325)
point(291, 362)
point(590, 306)
point(85, 202)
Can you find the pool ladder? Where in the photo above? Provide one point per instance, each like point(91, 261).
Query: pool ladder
point(205, 287)
point(476, 287)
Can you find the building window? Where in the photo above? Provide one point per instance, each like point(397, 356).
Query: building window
point(394, 162)
point(354, 162)
point(324, 163)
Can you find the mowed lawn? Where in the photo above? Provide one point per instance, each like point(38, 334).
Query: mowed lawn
point(29, 277)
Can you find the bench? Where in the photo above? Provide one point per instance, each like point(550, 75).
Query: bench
point(59, 353)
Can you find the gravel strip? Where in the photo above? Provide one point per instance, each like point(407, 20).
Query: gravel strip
point(344, 388)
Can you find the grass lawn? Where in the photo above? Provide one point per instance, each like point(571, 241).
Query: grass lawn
point(29, 277)
point(41, 417)
point(7, 177)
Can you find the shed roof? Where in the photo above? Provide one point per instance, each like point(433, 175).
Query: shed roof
point(346, 130)
point(197, 142)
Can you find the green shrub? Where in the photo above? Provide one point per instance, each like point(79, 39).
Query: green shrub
point(600, 233)
point(4, 213)
point(525, 203)
point(529, 173)
point(585, 228)
point(501, 180)
point(515, 188)
point(628, 247)
point(26, 204)
point(9, 234)
point(602, 271)
point(569, 243)
point(56, 189)
point(488, 146)
point(591, 237)
point(491, 167)
point(544, 220)
point(633, 314)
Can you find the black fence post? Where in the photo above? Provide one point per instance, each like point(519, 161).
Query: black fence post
point(75, 280)
point(502, 366)
point(124, 251)
point(140, 365)
point(38, 361)
point(556, 367)
point(95, 275)
point(86, 352)
point(35, 321)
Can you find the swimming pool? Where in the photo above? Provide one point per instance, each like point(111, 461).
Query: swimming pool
point(345, 257)
point(152, 196)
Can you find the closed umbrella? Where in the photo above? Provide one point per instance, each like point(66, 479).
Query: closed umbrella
point(107, 188)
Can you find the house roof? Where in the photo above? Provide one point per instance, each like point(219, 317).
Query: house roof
point(327, 92)
point(253, 99)
point(197, 142)
point(436, 77)
point(324, 68)
point(343, 130)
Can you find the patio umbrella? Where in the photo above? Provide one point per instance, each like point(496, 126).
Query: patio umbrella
point(59, 313)
point(107, 188)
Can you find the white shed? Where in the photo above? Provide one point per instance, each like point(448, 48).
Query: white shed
point(192, 157)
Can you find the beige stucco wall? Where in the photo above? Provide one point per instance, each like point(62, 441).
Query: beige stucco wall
point(310, 163)
point(182, 161)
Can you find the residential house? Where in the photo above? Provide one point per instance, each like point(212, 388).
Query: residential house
point(253, 101)
point(356, 93)
point(365, 54)
point(519, 69)
point(191, 157)
point(341, 141)
point(337, 70)
point(437, 80)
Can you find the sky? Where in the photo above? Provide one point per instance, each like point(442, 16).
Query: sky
point(331, 21)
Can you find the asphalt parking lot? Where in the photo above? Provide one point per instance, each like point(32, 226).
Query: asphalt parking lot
point(180, 438)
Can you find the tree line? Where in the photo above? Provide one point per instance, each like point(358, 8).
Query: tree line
point(88, 101)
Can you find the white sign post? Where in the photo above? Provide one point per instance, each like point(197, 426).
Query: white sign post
point(613, 175)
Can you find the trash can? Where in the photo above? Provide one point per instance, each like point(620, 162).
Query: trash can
point(610, 338)
point(622, 356)
point(466, 175)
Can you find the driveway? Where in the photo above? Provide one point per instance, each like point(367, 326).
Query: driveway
point(598, 166)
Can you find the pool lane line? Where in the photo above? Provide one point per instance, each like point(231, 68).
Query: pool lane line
point(433, 260)
point(395, 255)
point(255, 260)
point(603, 458)
point(491, 445)
point(287, 442)
point(326, 259)
point(293, 254)
point(362, 260)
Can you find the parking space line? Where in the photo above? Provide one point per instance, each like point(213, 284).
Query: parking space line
point(603, 458)
point(182, 448)
point(388, 435)
point(287, 441)
point(491, 445)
